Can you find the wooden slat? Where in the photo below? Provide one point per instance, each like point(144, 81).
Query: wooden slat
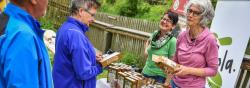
point(123, 29)
point(127, 22)
point(246, 79)
point(239, 82)
point(248, 84)
point(246, 63)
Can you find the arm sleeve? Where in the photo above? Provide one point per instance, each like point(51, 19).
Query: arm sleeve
point(21, 61)
point(85, 66)
point(172, 48)
point(211, 56)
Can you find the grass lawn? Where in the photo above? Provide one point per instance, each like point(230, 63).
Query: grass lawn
point(103, 74)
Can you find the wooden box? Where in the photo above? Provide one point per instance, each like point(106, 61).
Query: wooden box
point(171, 65)
point(130, 83)
point(139, 81)
point(121, 79)
point(111, 73)
point(110, 59)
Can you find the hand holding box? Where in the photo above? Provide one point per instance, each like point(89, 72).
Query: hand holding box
point(108, 59)
point(171, 65)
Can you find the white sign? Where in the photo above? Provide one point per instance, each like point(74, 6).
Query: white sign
point(232, 26)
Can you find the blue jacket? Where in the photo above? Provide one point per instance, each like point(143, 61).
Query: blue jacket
point(24, 61)
point(75, 63)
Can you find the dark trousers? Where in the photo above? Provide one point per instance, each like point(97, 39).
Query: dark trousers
point(159, 79)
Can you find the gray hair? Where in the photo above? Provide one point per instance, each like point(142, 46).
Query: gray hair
point(86, 4)
point(206, 8)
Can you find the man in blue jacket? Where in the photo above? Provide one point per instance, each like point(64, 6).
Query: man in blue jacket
point(76, 64)
point(24, 60)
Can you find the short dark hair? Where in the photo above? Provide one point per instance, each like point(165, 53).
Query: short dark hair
point(86, 4)
point(173, 16)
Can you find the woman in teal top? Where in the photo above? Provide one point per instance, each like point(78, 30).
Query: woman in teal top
point(161, 43)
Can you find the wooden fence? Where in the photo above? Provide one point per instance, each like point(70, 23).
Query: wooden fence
point(122, 33)
point(132, 23)
point(57, 11)
point(117, 38)
point(244, 77)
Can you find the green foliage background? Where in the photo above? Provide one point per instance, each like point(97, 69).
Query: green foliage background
point(141, 9)
point(133, 59)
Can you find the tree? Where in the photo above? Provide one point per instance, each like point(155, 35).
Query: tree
point(130, 9)
point(110, 1)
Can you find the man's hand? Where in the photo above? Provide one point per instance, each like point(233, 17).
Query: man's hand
point(99, 56)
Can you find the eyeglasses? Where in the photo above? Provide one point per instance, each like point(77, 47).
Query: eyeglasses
point(195, 13)
point(87, 10)
point(167, 20)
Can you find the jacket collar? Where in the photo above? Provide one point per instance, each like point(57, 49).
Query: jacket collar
point(84, 28)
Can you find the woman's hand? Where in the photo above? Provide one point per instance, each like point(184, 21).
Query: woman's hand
point(182, 71)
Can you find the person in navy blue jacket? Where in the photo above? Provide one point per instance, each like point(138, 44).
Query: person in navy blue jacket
point(76, 63)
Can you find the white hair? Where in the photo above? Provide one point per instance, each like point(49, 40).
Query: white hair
point(206, 8)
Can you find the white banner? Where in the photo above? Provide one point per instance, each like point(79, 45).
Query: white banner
point(232, 26)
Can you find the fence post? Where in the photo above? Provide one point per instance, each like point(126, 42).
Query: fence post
point(107, 39)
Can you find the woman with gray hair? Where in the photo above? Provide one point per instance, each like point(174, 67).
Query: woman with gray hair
point(196, 49)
